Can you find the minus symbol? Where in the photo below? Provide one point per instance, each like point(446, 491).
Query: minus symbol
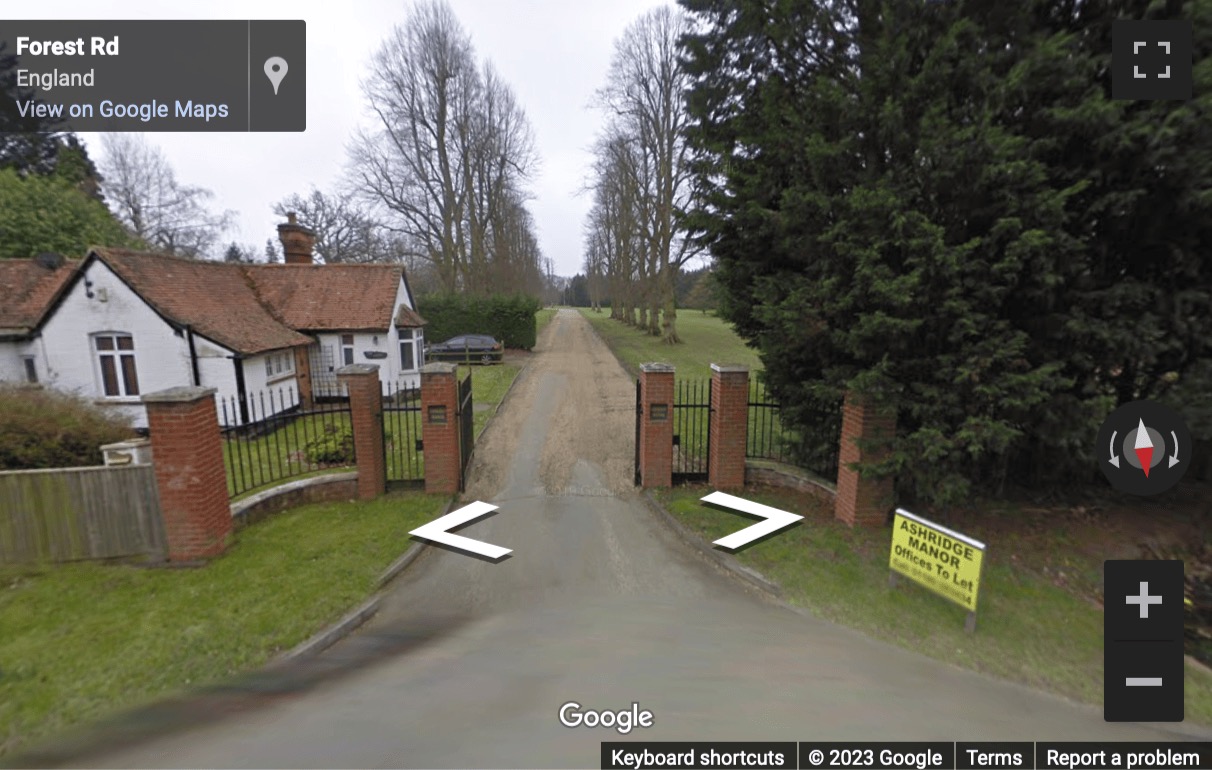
point(1144, 681)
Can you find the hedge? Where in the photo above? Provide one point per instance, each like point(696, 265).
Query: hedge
point(47, 429)
point(510, 319)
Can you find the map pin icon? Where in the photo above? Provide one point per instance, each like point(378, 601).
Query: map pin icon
point(275, 70)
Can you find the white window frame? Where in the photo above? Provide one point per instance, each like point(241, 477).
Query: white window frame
point(117, 355)
point(279, 365)
point(347, 349)
point(31, 369)
point(412, 353)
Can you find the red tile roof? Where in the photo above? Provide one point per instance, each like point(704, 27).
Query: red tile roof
point(215, 298)
point(330, 297)
point(248, 308)
point(28, 289)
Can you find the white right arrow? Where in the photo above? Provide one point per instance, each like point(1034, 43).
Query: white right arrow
point(774, 520)
point(438, 531)
point(1174, 458)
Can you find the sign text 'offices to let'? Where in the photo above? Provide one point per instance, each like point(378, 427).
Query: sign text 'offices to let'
point(939, 559)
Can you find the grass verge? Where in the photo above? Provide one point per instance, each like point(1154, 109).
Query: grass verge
point(80, 641)
point(705, 340)
point(489, 384)
point(543, 317)
point(1029, 629)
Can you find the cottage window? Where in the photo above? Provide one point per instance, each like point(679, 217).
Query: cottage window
point(279, 363)
point(116, 357)
point(407, 360)
point(347, 351)
point(31, 369)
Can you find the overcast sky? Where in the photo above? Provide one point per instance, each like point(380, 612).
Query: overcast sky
point(554, 53)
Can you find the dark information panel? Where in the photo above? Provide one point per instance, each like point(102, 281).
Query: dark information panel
point(154, 75)
point(916, 755)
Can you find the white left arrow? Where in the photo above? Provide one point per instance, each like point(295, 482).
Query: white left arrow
point(438, 531)
point(774, 520)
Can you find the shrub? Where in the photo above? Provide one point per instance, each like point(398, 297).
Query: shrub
point(334, 447)
point(509, 319)
point(47, 429)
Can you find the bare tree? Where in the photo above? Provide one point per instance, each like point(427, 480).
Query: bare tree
point(595, 272)
point(503, 160)
point(517, 259)
point(644, 102)
point(143, 192)
point(345, 232)
point(450, 157)
point(408, 163)
point(615, 230)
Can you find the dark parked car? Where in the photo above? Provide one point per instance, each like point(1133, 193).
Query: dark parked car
point(467, 348)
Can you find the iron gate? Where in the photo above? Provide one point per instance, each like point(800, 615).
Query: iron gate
point(402, 434)
point(467, 435)
point(639, 418)
point(691, 434)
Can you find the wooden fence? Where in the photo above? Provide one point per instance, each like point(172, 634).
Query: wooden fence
point(70, 514)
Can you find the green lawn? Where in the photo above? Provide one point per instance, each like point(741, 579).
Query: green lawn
point(1029, 630)
point(255, 463)
point(80, 641)
point(488, 387)
point(705, 340)
point(543, 317)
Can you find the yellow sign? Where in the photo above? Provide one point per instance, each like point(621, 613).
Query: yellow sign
point(943, 561)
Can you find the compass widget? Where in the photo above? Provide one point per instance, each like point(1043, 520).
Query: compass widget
point(1144, 447)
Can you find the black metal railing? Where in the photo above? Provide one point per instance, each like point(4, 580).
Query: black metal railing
point(691, 434)
point(467, 434)
point(402, 447)
point(639, 418)
point(270, 437)
point(329, 390)
point(768, 439)
point(771, 437)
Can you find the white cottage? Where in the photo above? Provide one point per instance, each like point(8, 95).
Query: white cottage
point(122, 323)
point(28, 288)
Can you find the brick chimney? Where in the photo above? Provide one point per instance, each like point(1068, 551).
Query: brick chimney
point(297, 241)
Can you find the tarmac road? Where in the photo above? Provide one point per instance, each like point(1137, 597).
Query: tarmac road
point(602, 605)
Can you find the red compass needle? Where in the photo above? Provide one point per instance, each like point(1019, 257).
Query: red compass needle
point(1144, 448)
